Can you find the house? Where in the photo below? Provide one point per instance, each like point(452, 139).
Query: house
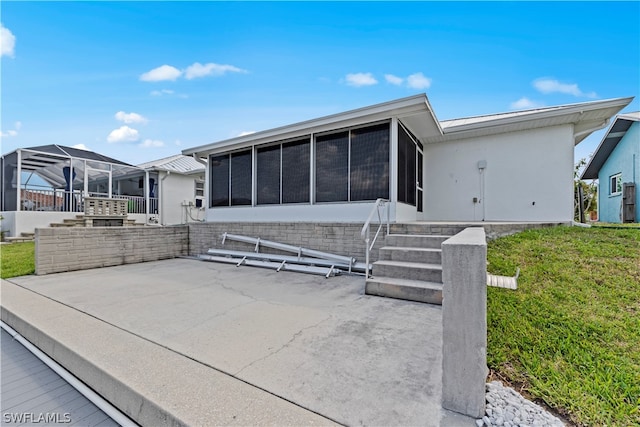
point(515, 166)
point(178, 184)
point(616, 166)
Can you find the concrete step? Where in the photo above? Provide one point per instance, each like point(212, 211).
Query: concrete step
point(410, 290)
point(61, 224)
point(408, 254)
point(427, 228)
point(408, 270)
point(18, 239)
point(415, 241)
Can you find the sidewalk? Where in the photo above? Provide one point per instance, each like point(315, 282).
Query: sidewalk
point(189, 342)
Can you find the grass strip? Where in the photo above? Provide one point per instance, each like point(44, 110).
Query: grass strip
point(17, 259)
point(570, 334)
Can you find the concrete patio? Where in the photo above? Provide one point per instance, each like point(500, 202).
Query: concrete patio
point(183, 341)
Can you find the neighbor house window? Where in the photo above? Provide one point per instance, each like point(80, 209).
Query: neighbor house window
point(231, 179)
point(615, 184)
point(353, 165)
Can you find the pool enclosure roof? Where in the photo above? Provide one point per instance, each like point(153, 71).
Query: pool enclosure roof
point(49, 161)
point(616, 132)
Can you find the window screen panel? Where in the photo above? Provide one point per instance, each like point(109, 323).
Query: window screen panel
point(406, 168)
point(332, 167)
point(411, 173)
point(402, 169)
point(370, 163)
point(219, 180)
point(241, 178)
point(268, 175)
point(296, 159)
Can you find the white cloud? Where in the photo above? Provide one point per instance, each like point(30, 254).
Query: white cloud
point(151, 143)
point(162, 92)
point(524, 103)
point(123, 134)
point(130, 117)
point(164, 72)
point(246, 132)
point(547, 85)
point(360, 79)
point(418, 81)
point(198, 70)
point(394, 80)
point(7, 41)
point(178, 142)
point(12, 132)
point(81, 147)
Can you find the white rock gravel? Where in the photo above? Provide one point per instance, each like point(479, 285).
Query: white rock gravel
point(507, 408)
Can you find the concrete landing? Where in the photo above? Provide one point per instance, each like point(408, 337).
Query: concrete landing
point(188, 342)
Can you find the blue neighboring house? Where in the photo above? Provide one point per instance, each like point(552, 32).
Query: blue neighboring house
point(616, 165)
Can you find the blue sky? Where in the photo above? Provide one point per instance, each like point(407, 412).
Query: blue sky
point(141, 81)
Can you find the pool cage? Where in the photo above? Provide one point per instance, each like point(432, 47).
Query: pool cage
point(55, 178)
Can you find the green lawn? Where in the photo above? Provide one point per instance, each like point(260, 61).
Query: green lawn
point(17, 259)
point(570, 334)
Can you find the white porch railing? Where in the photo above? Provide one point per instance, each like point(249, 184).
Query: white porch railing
point(381, 205)
point(47, 199)
point(36, 199)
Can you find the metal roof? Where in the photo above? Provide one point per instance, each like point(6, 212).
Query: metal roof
point(614, 135)
point(415, 112)
point(178, 163)
point(587, 117)
point(32, 389)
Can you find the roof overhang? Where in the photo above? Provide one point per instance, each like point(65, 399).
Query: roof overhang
point(616, 132)
point(415, 112)
point(586, 117)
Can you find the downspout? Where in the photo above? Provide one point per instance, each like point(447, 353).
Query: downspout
point(161, 197)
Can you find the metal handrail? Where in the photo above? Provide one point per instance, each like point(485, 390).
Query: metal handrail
point(365, 234)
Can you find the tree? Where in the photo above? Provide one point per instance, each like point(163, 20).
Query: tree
point(585, 194)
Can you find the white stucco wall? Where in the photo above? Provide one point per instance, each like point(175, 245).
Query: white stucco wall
point(528, 177)
point(174, 189)
point(15, 223)
point(328, 212)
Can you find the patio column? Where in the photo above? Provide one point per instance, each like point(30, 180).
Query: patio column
point(110, 191)
point(19, 175)
point(146, 195)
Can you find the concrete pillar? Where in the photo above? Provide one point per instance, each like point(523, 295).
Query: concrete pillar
point(464, 322)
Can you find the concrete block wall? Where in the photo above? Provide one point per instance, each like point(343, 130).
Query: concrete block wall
point(337, 238)
point(79, 248)
point(464, 322)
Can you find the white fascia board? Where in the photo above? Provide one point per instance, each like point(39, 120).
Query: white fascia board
point(398, 108)
point(470, 130)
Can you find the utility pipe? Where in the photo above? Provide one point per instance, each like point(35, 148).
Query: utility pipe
point(91, 395)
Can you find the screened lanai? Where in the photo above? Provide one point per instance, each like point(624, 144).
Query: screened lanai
point(56, 178)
